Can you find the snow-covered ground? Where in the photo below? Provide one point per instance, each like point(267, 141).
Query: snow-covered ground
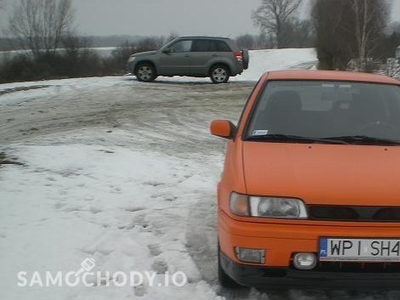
point(127, 209)
point(124, 173)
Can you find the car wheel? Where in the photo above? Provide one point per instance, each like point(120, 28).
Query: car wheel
point(223, 278)
point(145, 72)
point(219, 74)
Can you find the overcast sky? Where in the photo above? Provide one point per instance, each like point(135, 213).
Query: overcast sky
point(161, 17)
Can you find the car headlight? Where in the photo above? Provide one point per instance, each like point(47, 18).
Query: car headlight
point(280, 208)
point(267, 207)
point(131, 58)
point(239, 204)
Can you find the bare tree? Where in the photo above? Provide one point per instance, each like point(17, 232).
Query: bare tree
point(149, 43)
point(369, 24)
point(39, 25)
point(273, 16)
point(173, 35)
point(299, 33)
point(348, 30)
point(246, 41)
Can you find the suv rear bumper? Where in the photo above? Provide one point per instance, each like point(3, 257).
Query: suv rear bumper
point(260, 276)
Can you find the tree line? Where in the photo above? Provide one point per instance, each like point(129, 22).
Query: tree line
point(347, 34)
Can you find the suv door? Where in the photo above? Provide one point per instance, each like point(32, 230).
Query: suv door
point(175, 59)
point(204, 52)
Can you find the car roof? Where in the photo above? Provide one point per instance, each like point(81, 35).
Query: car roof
point(329, 75)
point(204, 37)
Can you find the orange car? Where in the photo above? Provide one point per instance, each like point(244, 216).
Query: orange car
point(310, 189)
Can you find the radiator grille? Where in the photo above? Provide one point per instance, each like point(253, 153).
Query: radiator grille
point(354, 213)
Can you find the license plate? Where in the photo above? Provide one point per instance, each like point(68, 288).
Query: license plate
point(366, 250)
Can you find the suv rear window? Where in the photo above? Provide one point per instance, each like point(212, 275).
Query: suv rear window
point(210, 46)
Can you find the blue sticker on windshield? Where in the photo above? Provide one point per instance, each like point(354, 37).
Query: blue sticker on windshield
point(259, 132)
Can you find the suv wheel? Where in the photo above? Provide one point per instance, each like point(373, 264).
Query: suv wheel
point(145, 72)
point(219, 74)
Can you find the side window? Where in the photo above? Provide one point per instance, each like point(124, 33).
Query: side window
point(202, 46)
point(221, 46)
point(210, 46)
point(181, 46)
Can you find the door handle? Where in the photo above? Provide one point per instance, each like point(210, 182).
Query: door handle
point(215, 55)
point(187, 55)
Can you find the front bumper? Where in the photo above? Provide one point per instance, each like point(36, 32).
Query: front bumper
point(131, 65)
point(282, 240)
point(258, 276)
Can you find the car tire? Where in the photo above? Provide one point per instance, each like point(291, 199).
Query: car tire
point(223, 278)
point(219, 74)
point(246, 58)
point(145, 72)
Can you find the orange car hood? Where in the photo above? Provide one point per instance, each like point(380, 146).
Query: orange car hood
point(324, 174)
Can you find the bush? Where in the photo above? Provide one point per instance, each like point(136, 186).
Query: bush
point(76, 59)
point(391, 68)
point(116, 64)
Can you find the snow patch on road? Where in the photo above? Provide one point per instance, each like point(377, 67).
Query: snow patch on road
point(20, 92)
point(128, 210)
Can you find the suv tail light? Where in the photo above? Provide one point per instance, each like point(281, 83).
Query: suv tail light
point(238, 55)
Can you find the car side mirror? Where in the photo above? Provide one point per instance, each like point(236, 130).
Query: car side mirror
point(223, 128)
point(167, 51)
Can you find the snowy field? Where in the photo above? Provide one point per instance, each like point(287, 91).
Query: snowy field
point(123, 174)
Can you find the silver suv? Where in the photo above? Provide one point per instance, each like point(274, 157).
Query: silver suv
point(214, 57)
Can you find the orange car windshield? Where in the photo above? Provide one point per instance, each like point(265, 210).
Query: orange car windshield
point(351, 112)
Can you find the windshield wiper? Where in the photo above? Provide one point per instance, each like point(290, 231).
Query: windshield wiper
point(365, 140)
point(285, 138)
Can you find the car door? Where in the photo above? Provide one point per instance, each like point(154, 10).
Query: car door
point(175, 59)
point(206, 53)
point(202, 53)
